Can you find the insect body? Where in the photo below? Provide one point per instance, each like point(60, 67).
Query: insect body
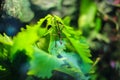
point(58, 29)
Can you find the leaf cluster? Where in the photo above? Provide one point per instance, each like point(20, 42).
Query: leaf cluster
point(43, 48)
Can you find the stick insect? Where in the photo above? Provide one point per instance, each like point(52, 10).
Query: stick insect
point(58, 28)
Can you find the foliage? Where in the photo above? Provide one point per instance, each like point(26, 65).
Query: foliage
point(97, 20)
point(40, 49)
point(99, 23)
point(90, 24)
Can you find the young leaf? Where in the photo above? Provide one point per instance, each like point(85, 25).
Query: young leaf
point(42, 64)
point(24, 40)
point(27, 37)
point(4, 39)
point(5, 45)
point(81, 48)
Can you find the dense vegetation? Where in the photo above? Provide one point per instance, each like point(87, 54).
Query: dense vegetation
point(81, 44)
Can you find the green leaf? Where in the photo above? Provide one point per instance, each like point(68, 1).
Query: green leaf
point(4, 39)
point(27, 37)
point(67, 20)
point(24, 40)
point(81, 48)
point(42, 63)
point(5, 45)
point(98, 24)
point(87, 13)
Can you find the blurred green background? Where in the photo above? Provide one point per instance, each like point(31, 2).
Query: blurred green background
point(98, 20)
